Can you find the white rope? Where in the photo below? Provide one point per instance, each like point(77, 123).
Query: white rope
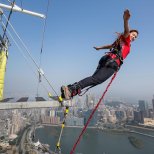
point(21, 51)
point(22, 43)
point(37, 66)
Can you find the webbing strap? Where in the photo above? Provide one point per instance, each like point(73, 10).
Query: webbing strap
point(84, 91)
point(91, 115)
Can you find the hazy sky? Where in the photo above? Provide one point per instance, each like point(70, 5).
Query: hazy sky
point(73, 28)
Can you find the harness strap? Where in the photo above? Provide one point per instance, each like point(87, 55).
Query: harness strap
point(118, 54)
point(116, 50)
point(84, 91)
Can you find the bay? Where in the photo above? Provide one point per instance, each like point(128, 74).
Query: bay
point(93, 141)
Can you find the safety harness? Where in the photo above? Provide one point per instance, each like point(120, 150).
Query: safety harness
point(116, 50)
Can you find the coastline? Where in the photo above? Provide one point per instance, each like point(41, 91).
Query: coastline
point(91, 127)
point(114, 131)
point(140, 127)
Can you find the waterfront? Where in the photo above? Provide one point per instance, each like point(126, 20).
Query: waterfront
point(94, 141)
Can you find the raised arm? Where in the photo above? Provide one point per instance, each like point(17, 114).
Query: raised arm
point(126, 17)
point(104, 47)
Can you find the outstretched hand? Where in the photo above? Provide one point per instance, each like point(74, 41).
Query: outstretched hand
point(96, 48)
point(126, 15)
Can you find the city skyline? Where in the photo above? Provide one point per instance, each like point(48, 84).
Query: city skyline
point(20, 127)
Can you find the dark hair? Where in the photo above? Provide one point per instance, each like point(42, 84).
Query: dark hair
point(120, 34)
point(134, 30)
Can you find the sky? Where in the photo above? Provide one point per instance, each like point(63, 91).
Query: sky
point(73, 28)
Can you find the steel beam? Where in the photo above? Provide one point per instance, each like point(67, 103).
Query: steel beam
point(27, 105)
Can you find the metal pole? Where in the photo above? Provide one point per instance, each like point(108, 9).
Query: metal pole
point(17, 8)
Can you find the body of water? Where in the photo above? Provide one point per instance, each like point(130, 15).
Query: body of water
point(93, 141)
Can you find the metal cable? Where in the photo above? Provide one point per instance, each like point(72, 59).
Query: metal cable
point(42, 45)
point(37, 66)
point(9, 18)
point(20, 50)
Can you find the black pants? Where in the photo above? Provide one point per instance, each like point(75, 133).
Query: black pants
point(106, 68)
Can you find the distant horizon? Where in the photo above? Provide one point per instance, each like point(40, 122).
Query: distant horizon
point(82, 98)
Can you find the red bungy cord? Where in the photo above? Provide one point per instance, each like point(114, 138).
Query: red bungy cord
point(91, 115)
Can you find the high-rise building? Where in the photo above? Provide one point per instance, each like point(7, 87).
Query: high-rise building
point(74, 121)
point(16, 122)
point(94, 120)
point(139, 117)
point(87, 101)
point(151, 113)
point(143, 106)
point(52, 113)
point(153, 102)
point(120, 115)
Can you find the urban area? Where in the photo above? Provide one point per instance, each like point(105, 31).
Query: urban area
point(17, 126)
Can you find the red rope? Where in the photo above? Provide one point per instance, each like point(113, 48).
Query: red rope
point(91, 115)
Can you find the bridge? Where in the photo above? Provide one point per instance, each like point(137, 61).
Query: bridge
point(23, 103)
